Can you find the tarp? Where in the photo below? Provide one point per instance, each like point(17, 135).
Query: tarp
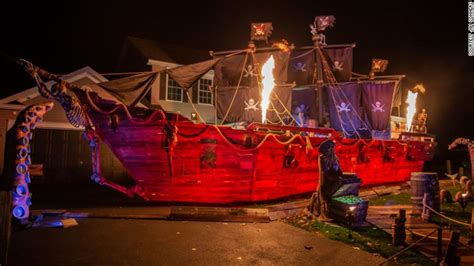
point(344, 107)
point(130, 90)
point(246, 105)
point(377, 103)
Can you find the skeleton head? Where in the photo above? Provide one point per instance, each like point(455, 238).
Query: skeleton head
point(251, 101)
point(378, 104)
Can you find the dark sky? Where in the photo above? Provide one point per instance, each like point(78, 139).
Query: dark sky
point(426, 40)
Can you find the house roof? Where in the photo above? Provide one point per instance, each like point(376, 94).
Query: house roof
point(80, 77)
point(167, 52)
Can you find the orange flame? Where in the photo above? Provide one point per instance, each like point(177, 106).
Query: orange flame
point(411, 108)
point(268, 83)
point(283, 45)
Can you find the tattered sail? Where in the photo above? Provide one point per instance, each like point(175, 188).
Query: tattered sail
point(302, 70)
point(239, 75)
point(130, 90)
point(340, 62)
point(187, 75)
point(344, 107)
point(301, 67)
point(246, 104)
point(244, 69)
point(377, 100)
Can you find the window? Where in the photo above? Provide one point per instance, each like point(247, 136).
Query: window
point(204, 91)
point(174, 92)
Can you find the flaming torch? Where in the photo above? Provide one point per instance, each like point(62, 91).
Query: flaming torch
point(268, 83)
point(411, 101)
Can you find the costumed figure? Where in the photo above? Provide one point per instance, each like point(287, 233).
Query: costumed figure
point(330, 176)
point(422, 117)
point(300, 115)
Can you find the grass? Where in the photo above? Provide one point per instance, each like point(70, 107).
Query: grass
point(370, 239)
point(400, 199)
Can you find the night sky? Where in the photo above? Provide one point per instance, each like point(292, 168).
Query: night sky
point(426, 40)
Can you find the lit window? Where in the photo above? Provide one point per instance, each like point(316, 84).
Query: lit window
point(174, 91)
point(204, 91)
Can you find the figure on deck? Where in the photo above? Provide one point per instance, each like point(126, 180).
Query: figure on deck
point(300, 115)
point(422, 117)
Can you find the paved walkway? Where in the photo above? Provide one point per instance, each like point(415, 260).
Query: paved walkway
point(159, 242)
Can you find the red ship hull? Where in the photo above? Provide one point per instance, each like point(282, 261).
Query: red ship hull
point(188, 162)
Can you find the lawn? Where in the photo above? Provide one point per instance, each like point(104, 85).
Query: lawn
point(371, 239)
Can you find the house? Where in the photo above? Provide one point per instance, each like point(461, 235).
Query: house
point(147, 55)
point(59, 153)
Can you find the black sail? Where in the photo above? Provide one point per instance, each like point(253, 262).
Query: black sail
point(239, 75)
point(344, 107)
point(377, 98)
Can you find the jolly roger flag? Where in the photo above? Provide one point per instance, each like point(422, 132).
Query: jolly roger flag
point(344, 111)
point(244, 67)
point(246, 105)
point(228, 70)
point(301, 67)
point(340, 61)
point(377, 103)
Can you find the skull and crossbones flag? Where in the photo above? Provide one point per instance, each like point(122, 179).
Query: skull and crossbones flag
point(323, 22)
point(379, 65)
point(344, 107)
point(260, 31)
point(246, 105)
point(377, 103)
point(301, 67)
point(340, 62)
point(243, 70)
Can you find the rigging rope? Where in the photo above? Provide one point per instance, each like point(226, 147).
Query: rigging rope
point(446, 217)
point(236, 89)
point(194, 107)
point(127, 112)
point(333, 83)
point(259, 76)
point(302, 55)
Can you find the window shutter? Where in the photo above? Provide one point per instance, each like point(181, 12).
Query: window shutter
point(163, 86)
point(195, 92)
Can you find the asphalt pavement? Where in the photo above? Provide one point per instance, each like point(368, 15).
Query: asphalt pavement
point(160, 242)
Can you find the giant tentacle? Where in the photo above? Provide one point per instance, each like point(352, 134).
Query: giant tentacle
point(22, 133)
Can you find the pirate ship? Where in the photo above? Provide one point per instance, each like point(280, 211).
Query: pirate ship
point(275, 106)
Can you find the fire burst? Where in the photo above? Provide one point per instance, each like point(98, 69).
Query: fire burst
point(268, 83)
point(411, 108)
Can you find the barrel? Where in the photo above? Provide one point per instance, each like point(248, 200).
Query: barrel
point(421, 183)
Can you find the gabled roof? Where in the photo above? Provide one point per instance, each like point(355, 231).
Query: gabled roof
point(83, 76)
point(166, 52)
